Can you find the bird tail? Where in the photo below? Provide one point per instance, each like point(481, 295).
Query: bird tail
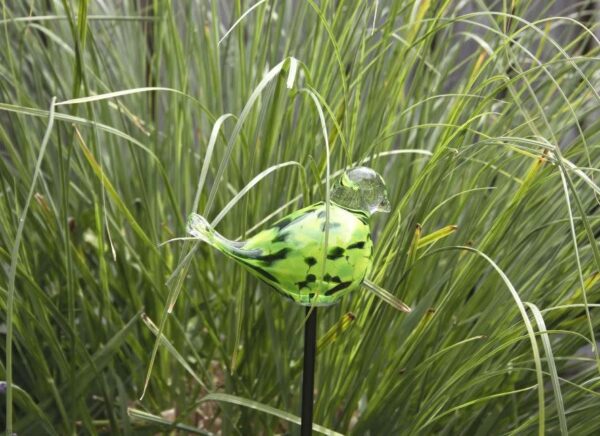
point(198, 227)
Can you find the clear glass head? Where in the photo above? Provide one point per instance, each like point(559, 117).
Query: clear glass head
point(363, 189)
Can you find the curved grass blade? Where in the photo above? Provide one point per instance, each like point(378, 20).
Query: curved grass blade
point(12, 271)
point(165, 423)
point(386, 296)
point(558, 397)
point(240, 401)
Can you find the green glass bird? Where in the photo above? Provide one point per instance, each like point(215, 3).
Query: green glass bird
point(290, 255)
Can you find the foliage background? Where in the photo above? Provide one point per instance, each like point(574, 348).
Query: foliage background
point(482, 115)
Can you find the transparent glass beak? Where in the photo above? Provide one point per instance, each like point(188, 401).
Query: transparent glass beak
point(385, 206)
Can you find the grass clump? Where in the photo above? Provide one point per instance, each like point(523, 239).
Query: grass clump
point(117, 119)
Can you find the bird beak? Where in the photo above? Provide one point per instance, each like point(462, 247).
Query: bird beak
point(385, 206)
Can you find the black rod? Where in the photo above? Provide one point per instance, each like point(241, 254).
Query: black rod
point(308, 372)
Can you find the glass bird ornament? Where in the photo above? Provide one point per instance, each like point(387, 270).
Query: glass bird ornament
point(290, 256)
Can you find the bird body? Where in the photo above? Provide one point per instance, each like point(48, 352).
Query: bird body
point(290, 255)
point(315, 255)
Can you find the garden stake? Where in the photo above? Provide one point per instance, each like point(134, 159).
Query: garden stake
point(308, 372)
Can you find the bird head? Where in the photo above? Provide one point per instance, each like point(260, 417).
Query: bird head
point(363, 189)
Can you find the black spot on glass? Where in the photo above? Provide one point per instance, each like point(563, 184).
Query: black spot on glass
point(302, 284)
point(331, 226)
point(338, 288)
point(310, 261)
point(281, 237)
point(263, 273)
point(269, 259)
point(283, 223)
point(356, 245)
point(336, 279)
point(335, 253)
